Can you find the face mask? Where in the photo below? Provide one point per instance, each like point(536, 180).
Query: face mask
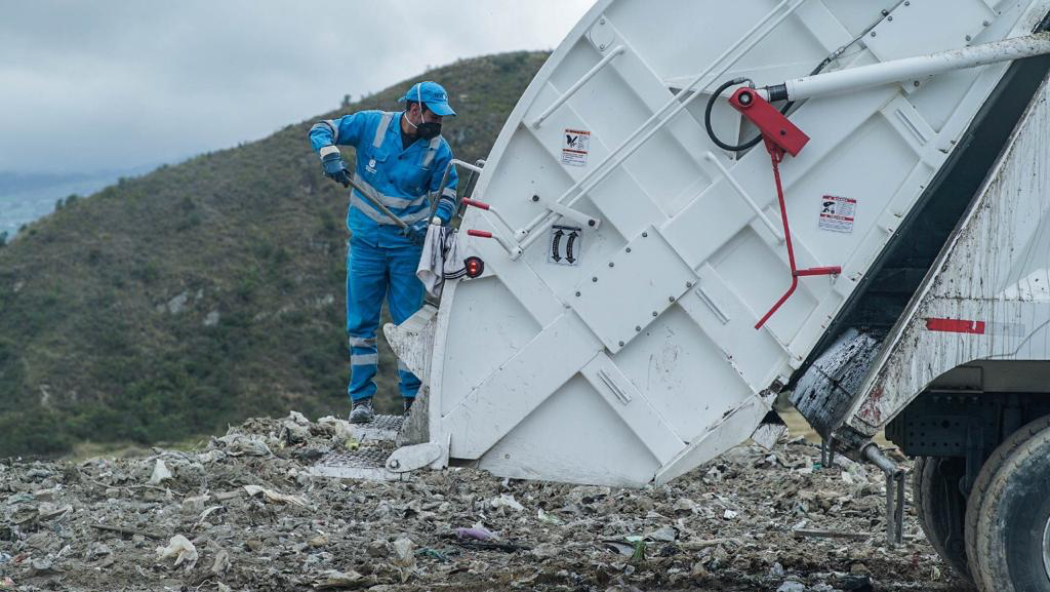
point(427, 130)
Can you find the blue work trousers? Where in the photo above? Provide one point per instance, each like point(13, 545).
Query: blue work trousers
point(372, 273)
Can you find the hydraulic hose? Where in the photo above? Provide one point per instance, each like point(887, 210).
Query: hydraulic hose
point(711, 105)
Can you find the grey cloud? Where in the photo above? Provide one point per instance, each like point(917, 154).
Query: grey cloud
point(114, 84)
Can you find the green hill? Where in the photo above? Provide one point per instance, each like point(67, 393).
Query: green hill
point(201, 294)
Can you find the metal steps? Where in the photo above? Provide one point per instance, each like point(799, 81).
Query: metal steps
point(376, 442)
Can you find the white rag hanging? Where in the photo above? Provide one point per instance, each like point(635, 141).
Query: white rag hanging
point(441, 259)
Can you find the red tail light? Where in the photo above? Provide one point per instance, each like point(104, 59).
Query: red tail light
point(475, 266)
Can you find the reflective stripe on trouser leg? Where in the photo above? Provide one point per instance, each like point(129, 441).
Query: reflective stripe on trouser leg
point(366, 285)
point(405, 297)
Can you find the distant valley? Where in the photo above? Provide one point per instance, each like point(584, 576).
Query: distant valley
point(28, 197)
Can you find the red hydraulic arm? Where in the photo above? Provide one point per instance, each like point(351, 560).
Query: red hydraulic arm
point(781, 137)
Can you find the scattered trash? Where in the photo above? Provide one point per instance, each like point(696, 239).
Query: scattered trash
point(181, 549)
point(665, 534)
point(730, 514)
point(273, 496)
point(160, 473)
point(477, 534)
point(405, 558)
point(333, 580)
point(548, 518)
point(96, 525)
point(792, 586)
point(506, 501)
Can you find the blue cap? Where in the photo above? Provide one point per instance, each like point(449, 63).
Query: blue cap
point(430, 94)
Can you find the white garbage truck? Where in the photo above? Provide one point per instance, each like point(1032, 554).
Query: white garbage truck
point(698, 205)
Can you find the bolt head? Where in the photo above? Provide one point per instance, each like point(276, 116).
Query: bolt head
point(594, 279)
point(655, 314)
point(591, 222)
point(535, 198)
point(670, 298)
point(645, 234)
point(577, 294)
point(628, 249)
point(689, 284)
point(394, 463)
point(622, 344)
point(638, 328)
point(611, 264)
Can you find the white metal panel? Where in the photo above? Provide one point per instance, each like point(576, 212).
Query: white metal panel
point(697, 377)
point(993, 276)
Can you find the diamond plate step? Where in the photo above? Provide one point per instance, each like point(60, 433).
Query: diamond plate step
point(376, 441)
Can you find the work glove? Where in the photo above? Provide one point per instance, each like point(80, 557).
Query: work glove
point(416, 234)
point(335, 168)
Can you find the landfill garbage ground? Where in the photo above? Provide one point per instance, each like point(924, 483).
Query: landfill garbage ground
point(245, 513)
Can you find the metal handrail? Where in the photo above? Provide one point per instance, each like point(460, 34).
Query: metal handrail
point(577, 86)
point(532, 231)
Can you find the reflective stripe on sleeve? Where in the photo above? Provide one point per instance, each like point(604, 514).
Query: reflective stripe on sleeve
point(335, 129)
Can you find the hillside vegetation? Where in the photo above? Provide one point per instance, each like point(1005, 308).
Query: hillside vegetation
point(204, 293)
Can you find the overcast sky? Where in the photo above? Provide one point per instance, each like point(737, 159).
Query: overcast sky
point(115, 84)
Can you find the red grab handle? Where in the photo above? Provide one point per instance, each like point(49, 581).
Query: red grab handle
point(836, 270)
point(479, 233)
point(477, 204)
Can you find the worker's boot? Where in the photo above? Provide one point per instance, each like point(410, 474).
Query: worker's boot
point(362, 411)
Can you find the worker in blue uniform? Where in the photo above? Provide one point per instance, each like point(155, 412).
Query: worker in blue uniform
point(401, 159)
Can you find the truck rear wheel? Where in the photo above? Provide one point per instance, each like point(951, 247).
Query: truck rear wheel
point(1012, 534)
point(989, 471)
point(942, 509)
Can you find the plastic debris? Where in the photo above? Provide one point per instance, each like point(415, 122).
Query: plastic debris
point(160, 473)
point(333, 580)
point(404, 557)
point(506, 501)
point(476, 533)
point(181, 549)
point(274, 497)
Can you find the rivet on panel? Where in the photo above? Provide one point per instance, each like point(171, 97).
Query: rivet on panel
point(670, 298)
point(577, 294)
point(628, 249)
point(621, 344)
point(594, 279)
point(638, 328)
point(611, 264)
point(645, 234)
point(689, 284)
point(655, 314)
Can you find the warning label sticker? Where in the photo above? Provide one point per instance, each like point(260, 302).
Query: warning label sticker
point(836, 213)
point(576, 148)
point(565, 245)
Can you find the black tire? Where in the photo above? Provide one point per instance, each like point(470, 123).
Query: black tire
point(942, 509)
point(984, 480)
point(1013, 526)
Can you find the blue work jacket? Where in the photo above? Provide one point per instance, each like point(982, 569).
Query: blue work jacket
point(401, 178)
